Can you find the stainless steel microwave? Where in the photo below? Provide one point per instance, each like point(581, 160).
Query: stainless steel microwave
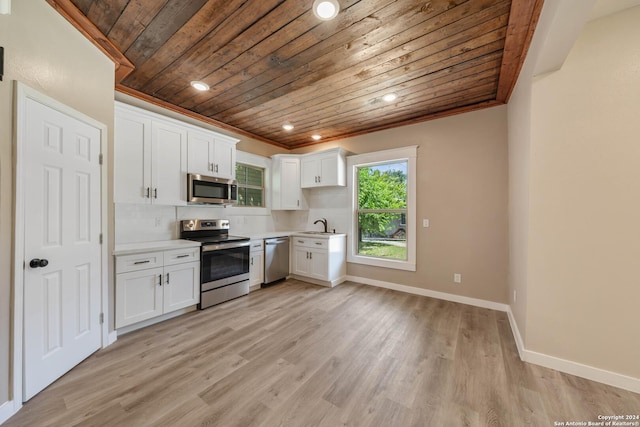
point(209, 190)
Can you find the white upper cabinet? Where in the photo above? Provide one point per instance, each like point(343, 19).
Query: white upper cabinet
point(168, 164)
point(285, 183)
point(132, 178)
point(324, 169)
point(211, 154)
point(153, 154)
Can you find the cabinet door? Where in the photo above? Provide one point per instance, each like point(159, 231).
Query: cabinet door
point(224, 159)
point(138, 296)
point(309, 171)
point(169, 164)
point(132, 158)
point(328, 167)
point(301, 261)
point(291, 197)
point(181, 286)
point(256, 268)
point(319, 264)
point(199, 158)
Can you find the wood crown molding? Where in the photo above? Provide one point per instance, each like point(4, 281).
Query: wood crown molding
point(523, 19)
point(66, 8)
point(176, 109)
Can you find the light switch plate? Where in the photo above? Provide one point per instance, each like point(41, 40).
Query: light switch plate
point(457, 278)
point(425, 223)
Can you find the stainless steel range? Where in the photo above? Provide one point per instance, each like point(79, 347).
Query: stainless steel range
point(224, 260)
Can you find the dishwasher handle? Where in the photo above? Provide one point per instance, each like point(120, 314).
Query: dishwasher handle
point(272, 242)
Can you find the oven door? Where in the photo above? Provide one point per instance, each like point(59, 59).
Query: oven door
point(223, 264)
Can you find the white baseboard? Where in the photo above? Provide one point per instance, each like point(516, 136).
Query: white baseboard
point(429, 293)
point(153, 321)
point(113, 337)
point(8, 409)
point(570, 367)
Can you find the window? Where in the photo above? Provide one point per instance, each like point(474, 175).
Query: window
point(250, 185)
point(383, 208)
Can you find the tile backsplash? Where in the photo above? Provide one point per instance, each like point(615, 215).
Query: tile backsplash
point(147, 223)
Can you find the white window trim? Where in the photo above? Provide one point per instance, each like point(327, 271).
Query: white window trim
point(259, 162)
point(408, 154)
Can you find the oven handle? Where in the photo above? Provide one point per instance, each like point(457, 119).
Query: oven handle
point(232, 245)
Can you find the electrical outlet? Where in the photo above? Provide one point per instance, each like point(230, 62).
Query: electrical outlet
point(425, 223)
point(457, 278)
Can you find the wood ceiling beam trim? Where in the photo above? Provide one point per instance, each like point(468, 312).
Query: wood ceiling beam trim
point(417, 104)
point(453, 112)
point(523, 19)
point(188, 113)
point(71, 13)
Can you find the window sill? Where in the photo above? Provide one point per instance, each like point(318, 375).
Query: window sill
point(384, 263)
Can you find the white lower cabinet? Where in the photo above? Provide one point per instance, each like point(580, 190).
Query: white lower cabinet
point(256, 264)
point(322, 260)
point(154, 283)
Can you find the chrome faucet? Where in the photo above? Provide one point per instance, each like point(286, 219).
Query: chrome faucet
point(324, 222)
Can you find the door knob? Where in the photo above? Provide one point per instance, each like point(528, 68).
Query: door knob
point(35, 263)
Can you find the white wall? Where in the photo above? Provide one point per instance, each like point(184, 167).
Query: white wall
point(45, 52)
point(573, 173)
point(584, 240)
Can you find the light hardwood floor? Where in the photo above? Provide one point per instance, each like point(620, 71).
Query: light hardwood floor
point(300, 355)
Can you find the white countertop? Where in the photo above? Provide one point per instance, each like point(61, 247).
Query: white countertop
point(266, 235)
point(162, 245)
point(272, 234)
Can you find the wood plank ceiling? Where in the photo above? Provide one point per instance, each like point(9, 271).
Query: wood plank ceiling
point(271, 62)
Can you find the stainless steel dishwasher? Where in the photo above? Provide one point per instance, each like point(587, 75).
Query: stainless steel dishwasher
point(276, 259)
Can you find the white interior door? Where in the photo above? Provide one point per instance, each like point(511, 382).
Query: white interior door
point(62, 289)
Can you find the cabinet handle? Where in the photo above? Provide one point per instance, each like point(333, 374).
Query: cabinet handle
point(307, 255)
point(298, 202)
point(210, 167)
point(319, 179)
point(300, 241)
point(310, 255)
point(216, 168)
point(182, 256)
point(141, 262)
point(167, 278)
point(160, 279)
point(148, 192)
point(155, 193)
point(318, 243)
point(251, 261)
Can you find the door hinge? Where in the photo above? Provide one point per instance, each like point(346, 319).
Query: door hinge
point(100, 158)
point(101, 318)
point(100, 238)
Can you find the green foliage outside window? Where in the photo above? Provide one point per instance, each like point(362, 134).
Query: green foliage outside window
point(382, 210)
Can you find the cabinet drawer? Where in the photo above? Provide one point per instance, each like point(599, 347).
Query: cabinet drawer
point(136, 262)
point(311, 243)
point(180, 256)
point(257, 246)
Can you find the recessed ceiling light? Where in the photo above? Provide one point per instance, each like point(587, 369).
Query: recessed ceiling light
point(389, 97)
point(199, 85)
point(326, 9)
point(316, 137)
point(287, 127)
